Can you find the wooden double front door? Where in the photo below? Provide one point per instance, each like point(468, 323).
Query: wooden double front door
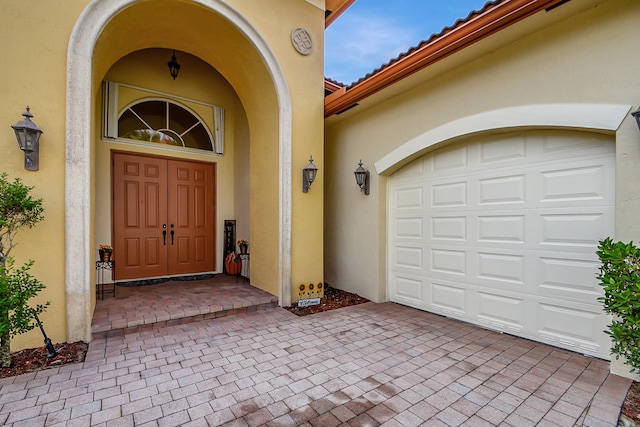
point(163, 216)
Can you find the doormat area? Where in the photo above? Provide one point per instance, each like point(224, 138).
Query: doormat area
point(160, 280)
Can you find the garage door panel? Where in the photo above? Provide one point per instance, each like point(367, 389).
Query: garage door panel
point(503, 190)
point(501, 312)
point(572, 327)
point(588, 144)
point(409, 228)
point(502, 231)
point(450, 159)
point(569, 278)
point(506, 149)
point(577, 183)
point(501, 267)
point(510, 151)
point(448, 298)
point(449, 261)
point(409, 198)
point(573, 230)
point(448, 195)
point(489, 268)
point(580, 183)
point(503, 281)
point(408, 290)
point(414, 169)
point(449, 228)
point(409, 257)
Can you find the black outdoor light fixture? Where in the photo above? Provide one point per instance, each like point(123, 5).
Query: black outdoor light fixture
point(47, 341)
point(362, 178)
point(28, 135)
point(308, 175)
point(174, 67)
point(636, 115)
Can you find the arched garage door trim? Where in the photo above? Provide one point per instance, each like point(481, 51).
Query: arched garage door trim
point(94, 18)
point(424, 198)
point(598, 117)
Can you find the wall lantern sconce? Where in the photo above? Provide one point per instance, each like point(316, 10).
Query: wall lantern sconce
point(636, 115)
point(28, 135)
point(362, 178)
point(174, 67)
point(308, 175)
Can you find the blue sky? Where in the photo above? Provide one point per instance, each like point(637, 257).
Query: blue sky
point(371, 32)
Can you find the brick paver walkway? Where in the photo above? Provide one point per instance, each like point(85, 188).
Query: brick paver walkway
point(138, 306)
point(367, 365)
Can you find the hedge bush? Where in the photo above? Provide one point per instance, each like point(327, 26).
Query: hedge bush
point(620, 278)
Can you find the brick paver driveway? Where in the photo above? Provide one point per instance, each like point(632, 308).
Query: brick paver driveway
point(373, 364)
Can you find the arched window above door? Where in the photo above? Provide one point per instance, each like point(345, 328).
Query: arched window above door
point(161, 119)
point(164, 122)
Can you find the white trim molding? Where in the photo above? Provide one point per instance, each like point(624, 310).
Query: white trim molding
point(78, 252)
point(598, 117)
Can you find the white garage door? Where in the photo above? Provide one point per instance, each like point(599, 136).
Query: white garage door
point(501, 231)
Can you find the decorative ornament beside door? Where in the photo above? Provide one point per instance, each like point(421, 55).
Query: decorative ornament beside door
point(28, 135)
point(233, 264)
point(308, 175)
point(362, 178)
point(301, 41)
point(174, 67)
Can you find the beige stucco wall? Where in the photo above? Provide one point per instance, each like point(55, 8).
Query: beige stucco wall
point(38, 77)
point(581, 52)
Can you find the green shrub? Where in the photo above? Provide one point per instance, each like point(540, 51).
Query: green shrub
point(18, 210)
point(17, 287)
point(620, 278)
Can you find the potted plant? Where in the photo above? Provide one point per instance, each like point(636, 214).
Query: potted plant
point(243, 245)
point(105, 252)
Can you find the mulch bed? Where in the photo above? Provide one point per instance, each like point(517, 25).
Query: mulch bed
point(333, 299)
point(35, 359)
point(631, 407)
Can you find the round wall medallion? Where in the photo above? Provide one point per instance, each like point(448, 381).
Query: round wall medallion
point(302, 41)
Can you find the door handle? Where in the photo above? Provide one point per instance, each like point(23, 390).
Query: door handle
point(164, 235)
point(172, 233)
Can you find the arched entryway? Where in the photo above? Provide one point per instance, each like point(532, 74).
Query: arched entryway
point(169, 166)
point(106, 32)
